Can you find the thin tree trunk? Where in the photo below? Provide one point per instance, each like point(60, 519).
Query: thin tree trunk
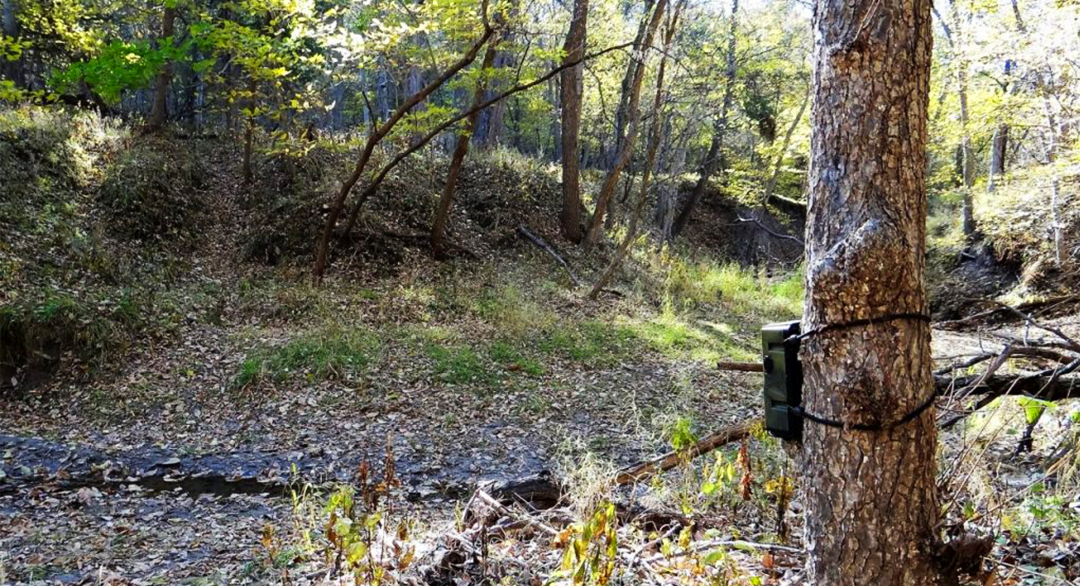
point(373, 186)
point(442, 213)
point(158, 112)
point(622, 111)
point(1057, 227)
point(249, 132)
point(870, 496)
point(715, 155)
point(650, 158)
point(771, 185)
point(967, 165)
point(572, 82)
point(640, 56)
point(323, 245)
point(999, 146)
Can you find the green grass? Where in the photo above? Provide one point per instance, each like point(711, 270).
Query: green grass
point(326, 353)
point(506, 354)
point(591, 343)
point(458, 364)
point(739, 289)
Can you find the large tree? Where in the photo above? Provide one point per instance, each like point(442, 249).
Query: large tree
point(869, 490)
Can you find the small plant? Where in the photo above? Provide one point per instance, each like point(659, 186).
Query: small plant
point(362, 540)
point(590, 548)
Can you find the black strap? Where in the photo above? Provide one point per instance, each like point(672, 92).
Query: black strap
point(862, 322)
point(910, 416)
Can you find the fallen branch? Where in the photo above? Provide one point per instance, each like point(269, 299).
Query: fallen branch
point(673, 458)
point(1034, 384)
point(1023, 310)
point(529, 235)
point(771, 232)
point(741, 366)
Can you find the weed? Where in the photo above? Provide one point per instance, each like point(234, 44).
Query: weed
point(593, 343)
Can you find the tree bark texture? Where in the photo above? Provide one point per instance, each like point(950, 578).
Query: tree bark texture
point(870, 496)
point(713, 158)
point(571, 88)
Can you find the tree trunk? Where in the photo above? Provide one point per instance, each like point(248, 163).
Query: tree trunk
point(572, 82)
point(622, 111)
point(1057, 223)
point(771, 185)
point(967, 165)
point(322, 248)
point(650, 158)
point(870, 496)
point(712, 160)
point(249, 133)
point(639, 58)
point(158, 112)
point(491, 123)
point(442, 213)
point(999, 145)
point(998, 148)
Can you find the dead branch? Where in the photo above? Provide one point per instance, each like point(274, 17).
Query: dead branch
point(1024, 311)
point(771, 232)
point(531, 236)
point(672, 459)
point(741, 366)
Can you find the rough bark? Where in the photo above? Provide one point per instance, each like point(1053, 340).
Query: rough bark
point(870, 496)
point(442, 213)
point(712, 159)
point(611, 181)
point(571, 88)
point(158, 112)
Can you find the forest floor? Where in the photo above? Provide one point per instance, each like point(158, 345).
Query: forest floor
point(213, 451)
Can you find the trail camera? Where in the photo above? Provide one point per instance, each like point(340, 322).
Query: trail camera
point(783, 379)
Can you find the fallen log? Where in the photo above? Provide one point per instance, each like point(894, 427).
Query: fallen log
point(1021, 311)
